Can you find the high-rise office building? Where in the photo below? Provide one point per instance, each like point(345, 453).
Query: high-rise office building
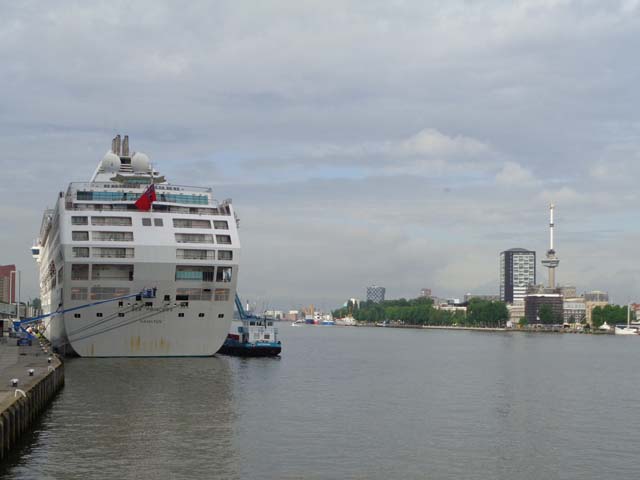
point(517, 272)
point(375, 293)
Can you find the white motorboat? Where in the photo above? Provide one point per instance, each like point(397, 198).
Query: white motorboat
point(628, 330)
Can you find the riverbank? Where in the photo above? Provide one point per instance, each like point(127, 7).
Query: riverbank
point(39, 375)
point(544, 329)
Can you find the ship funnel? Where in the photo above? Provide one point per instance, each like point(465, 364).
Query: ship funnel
point(125, 146)
point(118, 150)
point(113, 145)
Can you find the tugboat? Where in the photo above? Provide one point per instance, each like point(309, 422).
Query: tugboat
point(256, 337)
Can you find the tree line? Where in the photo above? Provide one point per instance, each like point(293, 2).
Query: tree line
point(420, 311)
point(612, 314)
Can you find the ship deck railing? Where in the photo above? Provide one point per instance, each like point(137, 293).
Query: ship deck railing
point(120, 187)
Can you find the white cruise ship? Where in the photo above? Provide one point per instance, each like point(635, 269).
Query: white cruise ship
point(96, 245)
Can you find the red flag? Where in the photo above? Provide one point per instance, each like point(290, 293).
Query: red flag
point(146, 199)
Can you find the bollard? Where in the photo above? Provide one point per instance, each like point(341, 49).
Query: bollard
point(14, 382)
point(31, 372)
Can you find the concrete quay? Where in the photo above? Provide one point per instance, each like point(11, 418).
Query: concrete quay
point(20, 405)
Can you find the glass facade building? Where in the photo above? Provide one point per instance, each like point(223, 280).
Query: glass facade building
point(517, 272)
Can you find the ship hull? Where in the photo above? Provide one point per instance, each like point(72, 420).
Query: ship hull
point(249, 350)
point(143, 331)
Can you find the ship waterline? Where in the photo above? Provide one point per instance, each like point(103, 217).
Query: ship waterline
point(98, 251)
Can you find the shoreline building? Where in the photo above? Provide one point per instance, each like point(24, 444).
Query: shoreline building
point(534, 301)
point(7, 284)
point(575, 309)
point(594, 299)
point(376, 294)
point(517, 272)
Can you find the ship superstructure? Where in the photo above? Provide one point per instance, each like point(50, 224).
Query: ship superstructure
point(96, 244)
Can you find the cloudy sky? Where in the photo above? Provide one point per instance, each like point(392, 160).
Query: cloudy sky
point(399, 143)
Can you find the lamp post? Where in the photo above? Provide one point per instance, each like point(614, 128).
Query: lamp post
point(12, 291)
point(19, 291)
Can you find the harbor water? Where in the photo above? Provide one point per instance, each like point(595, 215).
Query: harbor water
point(363, 403)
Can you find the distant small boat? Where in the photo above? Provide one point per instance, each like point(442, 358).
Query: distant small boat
point(628, 330)
point(605, 327)
point(328, 322)
point(346, 321)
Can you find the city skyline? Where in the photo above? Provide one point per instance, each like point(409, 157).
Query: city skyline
point(434, 137)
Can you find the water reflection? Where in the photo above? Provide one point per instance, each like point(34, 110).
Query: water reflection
point(137, 418)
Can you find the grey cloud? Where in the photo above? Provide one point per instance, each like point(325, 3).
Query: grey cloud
point(418, 139)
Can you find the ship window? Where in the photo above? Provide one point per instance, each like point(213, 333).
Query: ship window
point(194, 238)
point(223, 274)
point(146, 222)
point(105, 293)
point(111, 221)
point(226, 239)
point(225, 255)
point(267, 336)
point(117, 252)
point(201, 315)
point(184, 198)
point(181, 315)
point(80, 271)
point(221, 295)
point(193, 294)
point(148, 304)
point(79, 221)
point(99, 314)
point(188, 254)
point(220, 225)
point(112, 236)
point(189, 223)
point(200, 274)
point(76, 315)
point(121, 314)
point(167, 298)
point(78, 293)
point(80, 252)
point(109, 271)
point(221, 315)
point(121, 304)
point(157, 222)
point(80, 236)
